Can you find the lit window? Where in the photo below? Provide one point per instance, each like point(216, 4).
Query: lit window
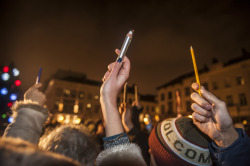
point(76, 108)
point(88, 105)
point(240, 80)
point(96, 97)
point(81, 95)
point(66, 92)
point(60, 106)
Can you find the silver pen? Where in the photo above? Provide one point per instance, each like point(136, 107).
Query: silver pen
point(125, 45)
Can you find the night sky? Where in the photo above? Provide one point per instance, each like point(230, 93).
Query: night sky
point(82, 35)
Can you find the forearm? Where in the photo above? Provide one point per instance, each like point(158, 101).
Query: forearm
point(112, 119)
point(28, 122)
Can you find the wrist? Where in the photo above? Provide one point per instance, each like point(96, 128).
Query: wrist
point(107, 101)
point(227, 138)
point(128, 126)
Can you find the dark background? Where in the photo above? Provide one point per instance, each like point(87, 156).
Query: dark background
point(82, 35)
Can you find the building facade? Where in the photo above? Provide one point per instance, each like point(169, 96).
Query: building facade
point(229, 81)
point(73, 98)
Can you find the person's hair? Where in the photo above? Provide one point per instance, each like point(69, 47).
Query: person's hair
point(122, 155)
point(15, 151)
point(72, 141)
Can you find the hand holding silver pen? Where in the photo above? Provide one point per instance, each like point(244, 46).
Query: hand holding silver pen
point(125, 45)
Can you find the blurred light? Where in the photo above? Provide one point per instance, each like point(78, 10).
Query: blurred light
point(13, 97)
point(60, 118)
point(146, 121)
point(17, 82)
point(4, 116)
point(157, 118)
point(242, 81)
point(157, 110)
point(10, 120)
point(6, 69)
point(60, 107)
point(5, 76)
point(76, 107)
point(15, 72)
point(67, 119)
point(141, 116)
point(96, 97)
point(9, 104)
point(4, 91)
point(77, 121)
point(244, 122)
point(88, 105)
point(67, 92)
point(189, 116)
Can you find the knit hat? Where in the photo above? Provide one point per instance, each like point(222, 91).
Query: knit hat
point(177, 141)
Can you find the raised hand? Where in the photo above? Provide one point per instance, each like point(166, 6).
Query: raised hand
point(113, 81)
point(35, 95)
point(212, 117)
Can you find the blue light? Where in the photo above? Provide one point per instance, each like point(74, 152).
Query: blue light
point(10, 120)
point(13, 97)
point(5, 76)
point(15, 72)
point(4, 91)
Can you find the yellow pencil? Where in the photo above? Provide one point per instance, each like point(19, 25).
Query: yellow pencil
point(195, 70)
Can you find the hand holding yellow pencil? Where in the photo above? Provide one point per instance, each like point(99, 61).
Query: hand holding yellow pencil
point(195, 70)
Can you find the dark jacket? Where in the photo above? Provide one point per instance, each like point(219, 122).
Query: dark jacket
point(236, 154)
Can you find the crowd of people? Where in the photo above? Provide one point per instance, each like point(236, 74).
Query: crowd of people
point(208, 138)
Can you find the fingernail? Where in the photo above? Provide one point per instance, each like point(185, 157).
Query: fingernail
point(119, 60)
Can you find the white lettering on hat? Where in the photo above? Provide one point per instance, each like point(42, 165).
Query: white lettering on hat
point(184, 149)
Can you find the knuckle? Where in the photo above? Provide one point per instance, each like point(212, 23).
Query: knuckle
point(222, 104)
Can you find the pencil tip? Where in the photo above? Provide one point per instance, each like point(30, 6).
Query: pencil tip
point(191, 47)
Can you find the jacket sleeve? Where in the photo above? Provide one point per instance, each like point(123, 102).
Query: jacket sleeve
point(28, 120)
point(115, 140)
point(119, 151)
point(236, 154)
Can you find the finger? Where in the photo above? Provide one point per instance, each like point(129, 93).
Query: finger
point(36, 86)
point(117, 51)
point(125, 67)
point(198, 109)
point(116, 68)
point(199, 118)
point(49, 88)
point(110, 66)
point(201, 101)
point(211, 98)
point(106, 75)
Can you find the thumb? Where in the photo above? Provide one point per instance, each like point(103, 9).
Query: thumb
point(116, 68)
